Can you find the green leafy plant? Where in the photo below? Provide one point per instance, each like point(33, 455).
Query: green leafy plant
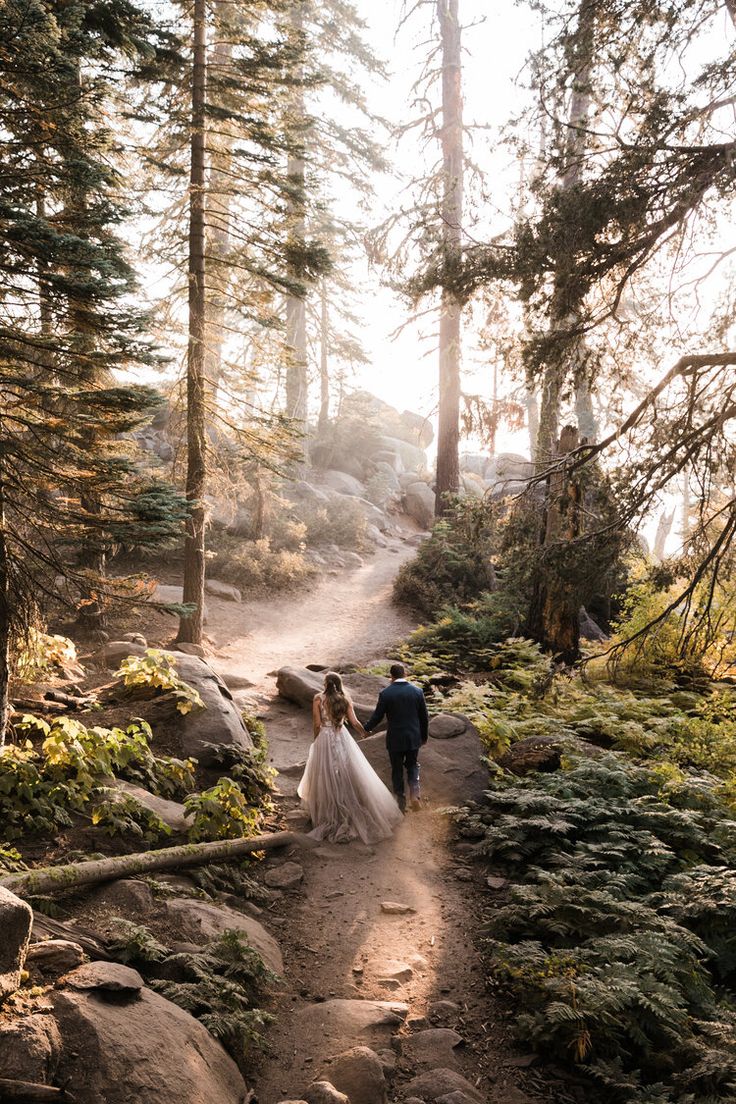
point(156, 672)
point(121, 815)
point(221, 812)
point(39, 653)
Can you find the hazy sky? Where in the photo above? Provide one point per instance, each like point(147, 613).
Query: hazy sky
point(496, 43)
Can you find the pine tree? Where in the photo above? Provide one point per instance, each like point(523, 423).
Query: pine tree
point(66, 324)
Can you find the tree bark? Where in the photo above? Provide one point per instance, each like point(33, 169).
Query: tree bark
point(190, 627)
point(219, 204)
point(553, 618)
point(451, 137)
point(324, 369)
point(5, 613)
point(60, 879)
point(296, 317)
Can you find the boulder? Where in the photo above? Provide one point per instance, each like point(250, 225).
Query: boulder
point(352, 561)
point(219, 722)
point(30, 1047)
point(226, 591)
point(508, 467)
point(171, 813)
point(54, 956)
point(441, 1013)
point(589, 630)
point(306, 492)
point(445, 726)
point(16, 919)
point(112, 977)
point(432, 1049)
point(145, 1049)
point(391, 458)
point(112, 654)
point(419, 504)
point(343, 483)
point(200, 922)
point(433, 1084)
point(412, 457)
point(286, 875)
point(136, 638)
point(322, 1092)
point(419, 429)
point(452, 772)
point(396, 908)
point(186, 648)
point(299, 685)
point(543, 753)
point(375, 536)
point(474, 463)
point(170, 595)
point(340, 1022)
point(125, 896)
point(359, 1074)
point(472, 485)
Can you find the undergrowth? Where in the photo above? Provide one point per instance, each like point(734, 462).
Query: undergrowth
point(222, 984)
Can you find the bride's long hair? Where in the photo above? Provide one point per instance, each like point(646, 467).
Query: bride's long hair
point(336, 700)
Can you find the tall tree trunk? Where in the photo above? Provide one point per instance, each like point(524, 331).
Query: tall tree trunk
point(532, 418)
point(451, 135)
point(190, 627)
point(5, 615)
point(554, 612)
point(296, 318)
point(219, 205)
point(324, 370)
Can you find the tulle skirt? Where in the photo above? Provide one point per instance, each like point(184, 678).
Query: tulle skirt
point(342, 793)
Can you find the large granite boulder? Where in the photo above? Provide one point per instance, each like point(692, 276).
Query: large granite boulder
point(412, 457)
point(419, 504)
point(219, 722)
point(139, 1047)
point(508, 467)
point(30, 1047)
point(299, 685)
point(418, 429)
point(343, 483)
point(200, 922)
point(172, 813)
point(16, 920)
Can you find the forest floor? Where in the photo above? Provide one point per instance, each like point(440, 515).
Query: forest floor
point(338, 943)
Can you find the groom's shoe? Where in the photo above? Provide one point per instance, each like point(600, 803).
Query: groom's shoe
point(415, 803)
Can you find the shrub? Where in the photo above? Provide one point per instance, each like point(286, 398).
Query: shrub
point(41, 788)
point(467, 638)
point(156, 671)
point(618, 928)
point(342, 522)
point(257, 566)
point(40, 653)
point(453, 566)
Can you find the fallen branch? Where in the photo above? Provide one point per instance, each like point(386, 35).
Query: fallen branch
point(59, 879)
point(30, 1092)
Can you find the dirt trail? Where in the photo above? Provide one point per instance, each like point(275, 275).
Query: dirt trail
point(337, 941)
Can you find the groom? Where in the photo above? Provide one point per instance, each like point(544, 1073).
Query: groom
point(403, 705)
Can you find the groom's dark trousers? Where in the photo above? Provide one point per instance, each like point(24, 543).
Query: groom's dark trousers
point(404, 707)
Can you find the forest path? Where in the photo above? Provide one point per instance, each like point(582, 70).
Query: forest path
point(338, 943)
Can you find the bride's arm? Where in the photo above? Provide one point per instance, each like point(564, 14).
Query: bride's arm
point(316, 715)
point(355, 723)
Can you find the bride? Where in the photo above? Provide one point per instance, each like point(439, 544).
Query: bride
point(344, 796)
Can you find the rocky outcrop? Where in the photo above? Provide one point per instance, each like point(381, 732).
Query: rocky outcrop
point(16, 920)
point(219, 722)
point(343, 483)
point(120, 1047)
point(436, 1083)
point(173, 814)
point(200, 921)
point(299, 685)
point(419, 504)
point(30, 1048)
point(359, 1074)
point(446, 726)
point(226, 591)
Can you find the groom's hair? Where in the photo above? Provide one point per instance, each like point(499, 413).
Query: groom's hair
point(397, 670)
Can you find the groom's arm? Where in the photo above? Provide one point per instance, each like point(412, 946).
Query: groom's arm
point(377, 715)
point(423, 717)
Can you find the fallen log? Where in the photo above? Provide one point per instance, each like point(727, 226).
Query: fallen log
point(45, 927)
point(60, 879)
point(30, 1092)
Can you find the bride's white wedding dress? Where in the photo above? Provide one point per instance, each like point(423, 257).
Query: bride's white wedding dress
point(343, 794)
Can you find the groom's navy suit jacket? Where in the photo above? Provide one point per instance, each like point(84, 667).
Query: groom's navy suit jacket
point(403, 705)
